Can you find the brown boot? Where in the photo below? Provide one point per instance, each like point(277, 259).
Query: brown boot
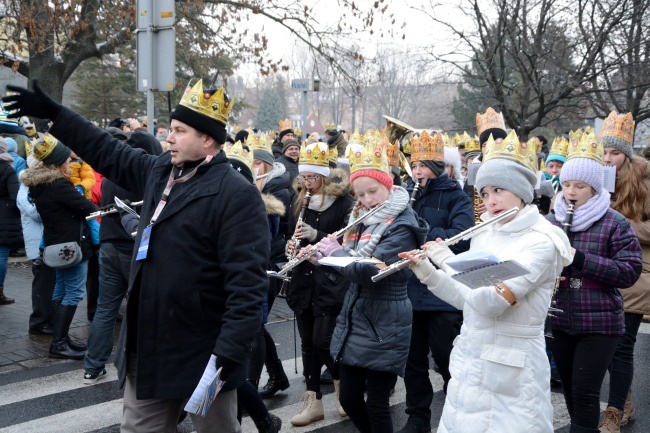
point(611, 420)
point(628, 410)
point(3, 299)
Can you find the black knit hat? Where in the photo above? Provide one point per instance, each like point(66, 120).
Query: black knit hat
point(438, 167)
point(496, 134)
point(198, 121)
point(285, 132)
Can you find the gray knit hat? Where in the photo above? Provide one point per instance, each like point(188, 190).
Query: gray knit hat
point(263, 155)
point(617, 143)
point(507, 174)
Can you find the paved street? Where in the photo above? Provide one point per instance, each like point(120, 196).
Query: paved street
point(38, 394)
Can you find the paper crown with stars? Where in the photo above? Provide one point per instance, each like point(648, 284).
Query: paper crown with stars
point(511, 148)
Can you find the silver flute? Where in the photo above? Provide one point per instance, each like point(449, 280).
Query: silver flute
point(313, 249)
point(467, 234)
point(101, 213)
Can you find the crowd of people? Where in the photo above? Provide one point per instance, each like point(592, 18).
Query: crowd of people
point(220, 214)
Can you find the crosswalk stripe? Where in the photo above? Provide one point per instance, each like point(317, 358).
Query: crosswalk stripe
point(47, 385)
point(85, 419)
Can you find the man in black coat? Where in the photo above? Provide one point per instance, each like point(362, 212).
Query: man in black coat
point(289, 158)
point(198, 280)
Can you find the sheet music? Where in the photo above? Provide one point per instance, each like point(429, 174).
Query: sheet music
point(120, 204)
point(491, 274)
point(207, 389)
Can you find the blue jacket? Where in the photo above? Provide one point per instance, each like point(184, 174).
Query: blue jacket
point(448, 210)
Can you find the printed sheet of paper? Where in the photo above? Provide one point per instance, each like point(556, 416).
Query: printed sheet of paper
point(609, 177)
point(491, 274)
point(344, 261)
point(207, 389)
point(470, 260)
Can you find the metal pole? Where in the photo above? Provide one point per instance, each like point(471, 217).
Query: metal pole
point(304, 116)
point(150, 93)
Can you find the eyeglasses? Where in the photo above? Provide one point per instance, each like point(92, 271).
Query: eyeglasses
point(308, 178)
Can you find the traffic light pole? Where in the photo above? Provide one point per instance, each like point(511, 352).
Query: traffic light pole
point(304, 116)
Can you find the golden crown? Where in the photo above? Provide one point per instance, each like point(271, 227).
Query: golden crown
point(491, 119)
point(259, 143)
point(237, 151)
point(329, 126)
point(392, 151)
point(315, 154)
point(618, 126)
point(298, 132)
point(575, 136)
point(560, 146)
point(463, 139)
point(333, 155)
point(446, 140)
point(511, 148)
point(587, 147)
point(473, 145)
point(285, 124)
point(428, 148)
point(44, 145)
point(215, 106)
point(372, 136)
point(536, 143)
point(368, 157)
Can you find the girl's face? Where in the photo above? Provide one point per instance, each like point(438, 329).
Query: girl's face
point(614, 157)
point(421, 172)
point(312, 181)
point(554, 167)
point(578, 191)
point(259, 165)
point(498, 200)
point(370, 191)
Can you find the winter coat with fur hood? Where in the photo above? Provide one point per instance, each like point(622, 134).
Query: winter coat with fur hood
point(319, 286)
point(61, 207)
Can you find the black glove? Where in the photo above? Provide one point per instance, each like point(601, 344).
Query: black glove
point(233, 373)
point(30, 103)
point(578, 260)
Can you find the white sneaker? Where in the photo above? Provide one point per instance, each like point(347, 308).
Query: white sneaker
point(93, 378)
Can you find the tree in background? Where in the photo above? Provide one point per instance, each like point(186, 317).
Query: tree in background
point(532, 57)
point(270, 111)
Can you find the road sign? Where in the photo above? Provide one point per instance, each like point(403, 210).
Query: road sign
point(301, 84)
point(156, 46)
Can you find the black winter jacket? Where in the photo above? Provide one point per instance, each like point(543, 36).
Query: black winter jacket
point(61, 207)
point(200, 289)
point(320, 286)
point(11, 232)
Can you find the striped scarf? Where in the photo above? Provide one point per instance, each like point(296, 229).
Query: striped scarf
point(364, 244)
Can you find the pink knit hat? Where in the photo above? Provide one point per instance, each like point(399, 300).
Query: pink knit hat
point(380, 176)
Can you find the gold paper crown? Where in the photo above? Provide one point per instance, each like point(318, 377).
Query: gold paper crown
point(560, 146)
point(333, 155)
point(237, 151)
point(446, 140)
point(588, 147)
point(575, 136)
point(511, 148)
point(463, 139)
point(368, 157)
point(619, 126)
point(536, 143)
point(315, 154)
point(472, 145)
point(329, 126)
point(589, 130)
point(298, 132)
point(428, 148)
point(491, 119)
point(259, 143)
point(372, 137)
point(215, 106)
point(44, 145)
point(286, 124)
point(392, 151)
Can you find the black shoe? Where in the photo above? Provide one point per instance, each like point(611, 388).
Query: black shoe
point(273, 386)
point(555, 379)
point(43, 330)
point(326, 377)
point(76, 345)
point(61, 318)
point(272, 424)
point(93, 378)
point(414, 428)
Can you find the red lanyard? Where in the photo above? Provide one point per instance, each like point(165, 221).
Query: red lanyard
point(170, 183)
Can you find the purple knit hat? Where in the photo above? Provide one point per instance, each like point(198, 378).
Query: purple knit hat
point(585, 170)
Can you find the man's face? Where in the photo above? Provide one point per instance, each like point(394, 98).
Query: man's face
point(187, 144)
point(287, 136)
point(162, 131)
point(293, 152)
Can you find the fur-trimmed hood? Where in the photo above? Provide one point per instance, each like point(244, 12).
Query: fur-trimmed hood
point(339, 185)
point(273, 205)
point(40, 176)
